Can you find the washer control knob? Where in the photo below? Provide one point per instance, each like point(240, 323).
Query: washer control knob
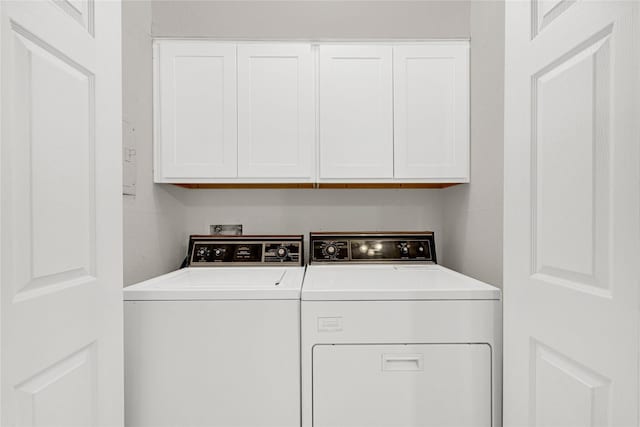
point(404, 250)
point(217, 252)
point(282, 252)
point(331, 250)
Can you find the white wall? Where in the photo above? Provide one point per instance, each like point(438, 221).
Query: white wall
point(302, 211)
point(154, 217)
point(473, 220)
point(311, 19)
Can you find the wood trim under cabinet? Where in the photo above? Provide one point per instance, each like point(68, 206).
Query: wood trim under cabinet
point(364, 185)
point(247, 186)
point(389, 185)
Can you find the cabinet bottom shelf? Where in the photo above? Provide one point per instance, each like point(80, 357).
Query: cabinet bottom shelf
point(321, 185)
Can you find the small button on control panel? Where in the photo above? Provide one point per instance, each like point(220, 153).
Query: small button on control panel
point(216, 250)
point(373, 247)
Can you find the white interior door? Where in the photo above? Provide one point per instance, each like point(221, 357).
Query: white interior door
point(61, 244)
point(571, 245)
point(356, 112)
point(276, 122)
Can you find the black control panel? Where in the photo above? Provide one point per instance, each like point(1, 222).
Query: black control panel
point(207, 251)
point(373, 247)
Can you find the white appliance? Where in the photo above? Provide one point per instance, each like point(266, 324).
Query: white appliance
point(390, 338)
point(217, 343)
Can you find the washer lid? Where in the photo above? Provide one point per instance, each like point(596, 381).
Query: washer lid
point(392, 282)
point(220, 283)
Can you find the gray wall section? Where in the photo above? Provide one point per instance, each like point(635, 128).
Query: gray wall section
point(311, 19)
point(467, 219)
point(301, 211)
point(473, 220)
point(154, 217)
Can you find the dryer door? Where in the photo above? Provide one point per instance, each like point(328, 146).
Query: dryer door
point(397, 385)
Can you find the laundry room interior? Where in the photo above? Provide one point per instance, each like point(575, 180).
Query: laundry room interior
point(320, 213)
point(466, 219)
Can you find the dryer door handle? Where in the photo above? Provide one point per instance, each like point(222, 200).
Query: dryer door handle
point(403, 362)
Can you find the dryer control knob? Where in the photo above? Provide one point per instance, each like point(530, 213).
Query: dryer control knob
point(203, 252)
point(331, 250)
point(282, 252)
point(217, 252)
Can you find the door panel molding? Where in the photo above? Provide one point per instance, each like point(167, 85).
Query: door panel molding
point(75, 372)
point(37, 95)
point(554, 377)
point(542, 15)
point(577, 226)
point(81, 11)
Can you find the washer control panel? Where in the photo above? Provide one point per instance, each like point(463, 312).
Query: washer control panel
point(207, 251)
point(373, 247)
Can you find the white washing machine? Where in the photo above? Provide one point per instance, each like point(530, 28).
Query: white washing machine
point(217, 343)
point(390, 338)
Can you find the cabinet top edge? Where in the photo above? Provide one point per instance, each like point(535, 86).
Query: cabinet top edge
point(391, 41)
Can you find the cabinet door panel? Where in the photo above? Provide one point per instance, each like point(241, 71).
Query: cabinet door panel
point(276, 123)
point(196, 123)
point(431, 111)
point(356, 137)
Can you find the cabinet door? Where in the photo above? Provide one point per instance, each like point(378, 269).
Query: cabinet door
point(431, 111)
point(276, 123)
point(195, 110)
point(356, 118)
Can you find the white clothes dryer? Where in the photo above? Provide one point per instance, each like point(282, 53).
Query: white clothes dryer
point(217, 343)
point(391, 339)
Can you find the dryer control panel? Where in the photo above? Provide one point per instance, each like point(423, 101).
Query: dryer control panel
point(208, 251)
point(384, 247)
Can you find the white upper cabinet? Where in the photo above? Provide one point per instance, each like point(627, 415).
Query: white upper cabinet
point(356, 112)
point(276, 120)
point(195, 110)
point(253, 112)
point(431, 111)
